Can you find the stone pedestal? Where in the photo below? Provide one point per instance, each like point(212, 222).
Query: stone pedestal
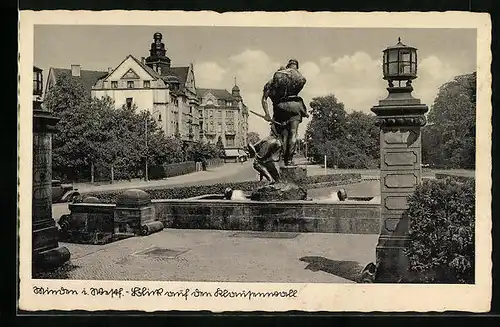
point(288, 188)
point(46, 252)
point(133, 212)
point(400, 118)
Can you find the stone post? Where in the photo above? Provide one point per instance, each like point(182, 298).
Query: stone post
point(46, 252)
point(400, 117)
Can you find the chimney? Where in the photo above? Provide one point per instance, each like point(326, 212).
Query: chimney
point(75, 70)
point(110, 69)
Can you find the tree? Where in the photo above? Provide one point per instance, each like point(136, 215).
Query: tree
point(253, 137)
point(72, 151)
point(449, 138)
point(347, 140)
point(220, 146)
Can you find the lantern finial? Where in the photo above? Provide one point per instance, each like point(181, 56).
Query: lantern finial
point(399, 39)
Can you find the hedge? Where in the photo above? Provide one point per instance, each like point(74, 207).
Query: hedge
point(458, 178)
point(197, 190)
point(442, 215)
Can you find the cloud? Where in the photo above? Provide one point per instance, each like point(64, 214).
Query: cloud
point(355, 79)
point(209, 74)
point(432, 73)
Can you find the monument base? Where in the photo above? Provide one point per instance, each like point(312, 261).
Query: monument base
point(286, 189)
point(392, 263)
point(281, 191)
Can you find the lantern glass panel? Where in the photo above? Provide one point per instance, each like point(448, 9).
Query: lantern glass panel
point(385, 69)
point(414, 68)
point(404, 68)
point(393, 68)
point(404, 56)
point(393, 55)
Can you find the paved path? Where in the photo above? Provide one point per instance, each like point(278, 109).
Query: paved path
point(228, 170)
point(219, 256)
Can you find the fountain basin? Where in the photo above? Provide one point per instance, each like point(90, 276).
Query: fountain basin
point(212, 211)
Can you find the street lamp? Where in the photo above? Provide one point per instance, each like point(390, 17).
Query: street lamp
point(146, 139)
point(400, 64)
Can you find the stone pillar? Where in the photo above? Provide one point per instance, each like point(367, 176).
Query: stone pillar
point(46, 252)
point(400, 118)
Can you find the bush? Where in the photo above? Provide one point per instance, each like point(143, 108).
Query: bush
point(441, 216)
point(178, 169)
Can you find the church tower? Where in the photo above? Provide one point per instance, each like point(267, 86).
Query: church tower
point(158, 60)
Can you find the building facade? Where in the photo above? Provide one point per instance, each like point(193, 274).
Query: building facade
point(152, 84)
point(223, 115)
point(170, 94)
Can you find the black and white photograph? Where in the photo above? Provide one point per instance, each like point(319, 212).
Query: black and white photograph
point(211, 161)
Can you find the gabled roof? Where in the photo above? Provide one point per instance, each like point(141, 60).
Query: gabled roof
point(146, 67)
point(218, 93)
point(87, 77)
point(181, 73)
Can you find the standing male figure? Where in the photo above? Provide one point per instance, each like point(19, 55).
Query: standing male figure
point(288, 106)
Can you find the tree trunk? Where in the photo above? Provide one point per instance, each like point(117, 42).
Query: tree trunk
point(112, 174)
point(92, 172)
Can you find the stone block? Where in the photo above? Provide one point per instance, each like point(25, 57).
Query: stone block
point(279, 192)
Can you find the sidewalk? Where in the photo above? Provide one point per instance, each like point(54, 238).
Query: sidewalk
point(228, 169)
point(224, 256)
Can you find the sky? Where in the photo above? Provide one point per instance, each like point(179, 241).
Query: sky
point(345, 62)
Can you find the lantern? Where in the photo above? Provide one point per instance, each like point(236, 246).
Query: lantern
point(400, 64)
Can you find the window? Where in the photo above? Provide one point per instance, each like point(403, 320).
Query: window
point(218, 114)
point(129, 102)
point(230, 141)
point(200, 113)
point(176, 102)
point(210, 114)
point(147, 84)
point(230, 114)
point(130, 84)
point(209, 101)
point(114, 84)
point(229, 103)
point(37, 83)
point(219, 127)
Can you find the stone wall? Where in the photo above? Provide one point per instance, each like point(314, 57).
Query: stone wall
point(286, 216)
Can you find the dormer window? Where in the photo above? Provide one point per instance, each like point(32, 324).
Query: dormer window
point(114, 84)
point(229, 104)
point(147, 84)
point(130, 84)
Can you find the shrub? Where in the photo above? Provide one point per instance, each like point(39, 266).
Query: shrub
point(181, 168)
point(441, 216)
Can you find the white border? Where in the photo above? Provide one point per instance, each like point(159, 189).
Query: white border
point(311, 297)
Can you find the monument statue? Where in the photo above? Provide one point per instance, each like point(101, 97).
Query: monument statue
point(288, 111)
point(267, 154)
point(288, 107)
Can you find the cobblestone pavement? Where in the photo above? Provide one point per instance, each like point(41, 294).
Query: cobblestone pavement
point(219, 256)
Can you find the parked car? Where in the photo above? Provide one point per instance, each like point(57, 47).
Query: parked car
point(63, 192)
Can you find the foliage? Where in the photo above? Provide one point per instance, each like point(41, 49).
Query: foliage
point(348, 140)
point(253, 137)
point(441, 217)
point(220, 146)
point(201, 151)
point(448, 140)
